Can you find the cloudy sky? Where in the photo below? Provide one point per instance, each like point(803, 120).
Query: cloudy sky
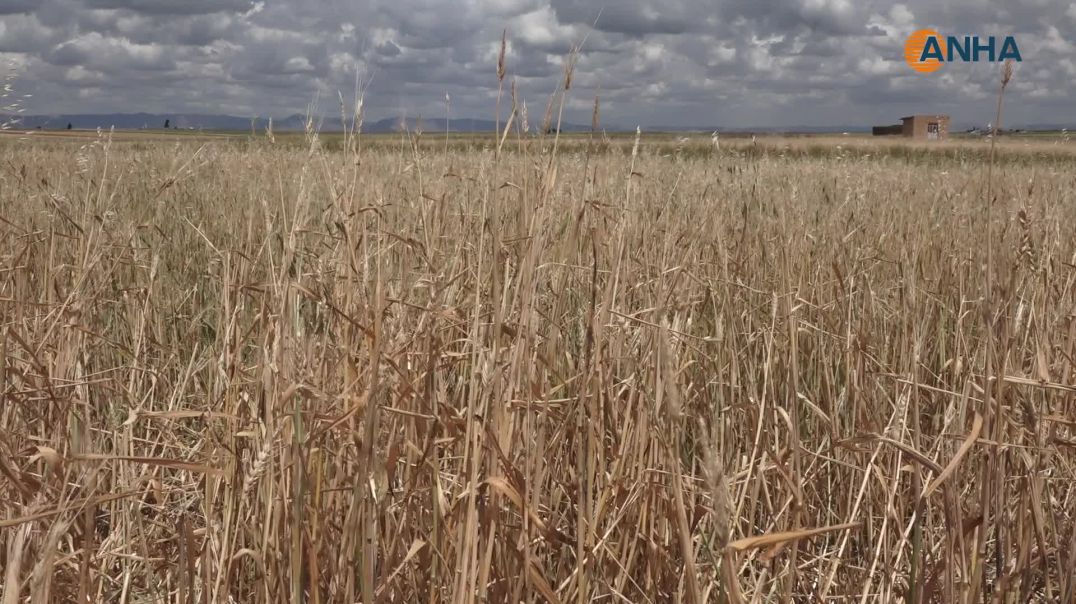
point(671, 62)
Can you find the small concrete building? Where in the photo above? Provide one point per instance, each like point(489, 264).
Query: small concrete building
point(921, 126)
point(930, 127)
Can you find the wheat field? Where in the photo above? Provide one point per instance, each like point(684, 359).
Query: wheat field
point(543, 369)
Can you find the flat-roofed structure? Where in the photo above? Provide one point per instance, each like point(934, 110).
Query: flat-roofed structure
point(922, 126)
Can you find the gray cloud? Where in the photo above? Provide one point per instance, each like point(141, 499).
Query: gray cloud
point(174, 7)
point(10, 7)
point(633, 17)
point(679, 62)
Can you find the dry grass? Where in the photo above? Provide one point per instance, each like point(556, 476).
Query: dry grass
point(397, 372)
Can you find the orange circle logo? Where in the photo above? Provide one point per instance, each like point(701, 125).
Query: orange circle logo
point(913, 50)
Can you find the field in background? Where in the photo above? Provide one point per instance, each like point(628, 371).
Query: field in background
point(1043, 142)
point(395, 369)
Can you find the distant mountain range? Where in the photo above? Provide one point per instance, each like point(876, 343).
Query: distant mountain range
point(291, 123)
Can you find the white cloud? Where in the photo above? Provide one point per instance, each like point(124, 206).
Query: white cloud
point(539, 28)
point(721, 54)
